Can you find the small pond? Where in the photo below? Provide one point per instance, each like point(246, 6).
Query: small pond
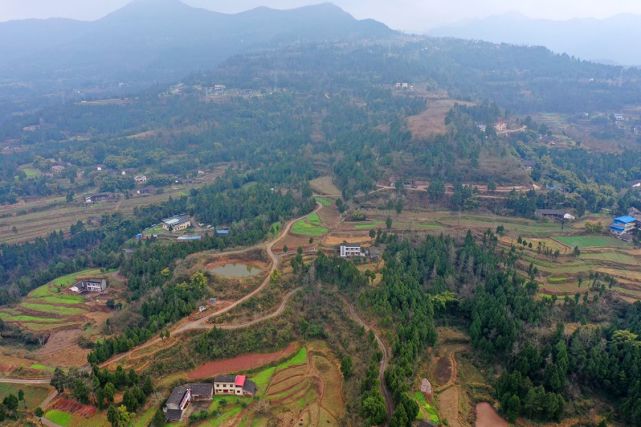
point(236, 270)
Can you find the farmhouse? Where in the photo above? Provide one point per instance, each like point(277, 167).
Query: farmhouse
point(182, 396)
point(90, 284)
point(176, 223)
point(101, 197)
point(237, 385)
point(349, 251)
point(624, 225)
point(222, 231)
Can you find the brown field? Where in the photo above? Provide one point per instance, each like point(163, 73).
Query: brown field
point(243, 362)
point(486, 416)
point(63, 404)
point(311, 394)
point(432, 121)
point(324, 185)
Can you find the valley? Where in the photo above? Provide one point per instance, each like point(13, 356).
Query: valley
point(313, 220)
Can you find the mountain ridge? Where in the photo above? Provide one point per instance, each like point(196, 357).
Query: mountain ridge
point(162, 40)
point(593, 39)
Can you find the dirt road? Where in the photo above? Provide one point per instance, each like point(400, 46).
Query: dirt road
point(389, 403)
point(278, 312)
point(190, 325)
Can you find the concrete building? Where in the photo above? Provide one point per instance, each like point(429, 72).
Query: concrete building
point(624, 225)
point(237, 385)
point(350, 251)
point(176, 223)
point(90, 284)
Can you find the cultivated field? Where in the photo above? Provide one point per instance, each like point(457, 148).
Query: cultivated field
point(61, 316)
point(27, 220)
point(303, 389)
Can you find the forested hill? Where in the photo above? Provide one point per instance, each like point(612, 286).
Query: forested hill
point(148, 40)
point(520, 79)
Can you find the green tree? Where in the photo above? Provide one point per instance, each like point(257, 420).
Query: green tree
point(58, 380)
point(373, 409)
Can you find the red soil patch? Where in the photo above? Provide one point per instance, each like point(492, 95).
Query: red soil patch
point(73, 407)
point(486, 416)
point(243, 362)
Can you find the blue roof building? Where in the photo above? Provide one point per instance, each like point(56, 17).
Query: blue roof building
point(623, 225)
point(624, 220)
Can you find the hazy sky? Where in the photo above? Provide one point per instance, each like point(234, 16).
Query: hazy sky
point(412, 15)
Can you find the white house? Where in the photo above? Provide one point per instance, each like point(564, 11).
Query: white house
point(349, 251)
point(237, 385)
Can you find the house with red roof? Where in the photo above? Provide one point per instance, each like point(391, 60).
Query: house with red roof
point(237, 385)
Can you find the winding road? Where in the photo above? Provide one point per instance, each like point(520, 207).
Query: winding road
point(389, 403)
point(203, 323)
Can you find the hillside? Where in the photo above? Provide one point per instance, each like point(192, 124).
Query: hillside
point(592, 39)
point(146, 41)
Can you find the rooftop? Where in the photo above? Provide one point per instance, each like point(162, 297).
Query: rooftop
point(240, 380)
point(177, 219)
point(176, 395)
point(625, 219)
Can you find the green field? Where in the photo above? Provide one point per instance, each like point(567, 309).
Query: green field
point(50, 300)
point(52, 309)
point(309, 226)
point(616, 257)
point(368, 225)
point(33, 395)
point(30, 171)
point(591, 242)
point(59, 417)
point(26, 318)
point(299, 358)
point(324, 201)
point(426, 412)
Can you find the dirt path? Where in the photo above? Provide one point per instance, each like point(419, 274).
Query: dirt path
point(389, 403)
point(278, 312)
point(204, 323)
point(48, 399)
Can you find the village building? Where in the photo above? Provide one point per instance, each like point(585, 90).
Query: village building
point(89, 284)
point(350, 251)
point(193, 238)
point(176, 223)
point(222, 231)
point(140, 179)
point(101, 197)
point(624, 225)
point(555, 214)
point(237, 385)
point(57, 169)
point(182, 396)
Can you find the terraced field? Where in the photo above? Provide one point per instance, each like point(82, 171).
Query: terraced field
point(51, 306)
point(304, 390)
point(310, 226)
